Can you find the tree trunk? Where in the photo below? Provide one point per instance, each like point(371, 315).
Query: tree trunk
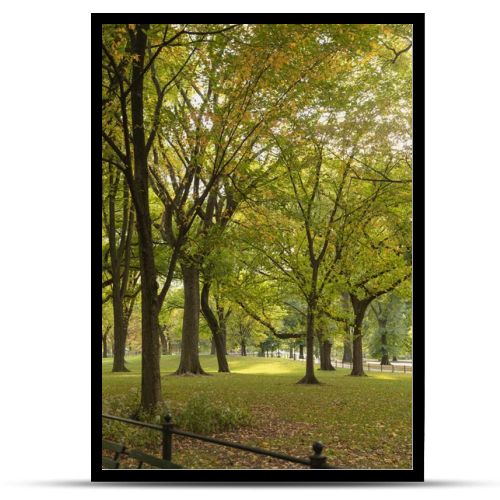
point(119, 331)
point(212, 346)
point(139, 187)
point(221, 356)
point(394, 358)
point(217, 328)
point(164, 343)
point(243, 347)
point(291, 352)
point(385, 355)
point(347, 356)
point(309, 377)
point(381, 315)
point(326, 355)
point(190, 359)
point(105, 342)
point(262, 353)
point(301, 351)
point(359, 307)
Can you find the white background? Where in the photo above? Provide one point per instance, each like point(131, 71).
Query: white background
point(45, 248)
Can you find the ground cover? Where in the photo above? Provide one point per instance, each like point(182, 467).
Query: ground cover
point(364, 422)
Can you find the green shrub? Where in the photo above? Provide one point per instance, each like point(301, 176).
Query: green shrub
point(128, 406)
point(205, 416)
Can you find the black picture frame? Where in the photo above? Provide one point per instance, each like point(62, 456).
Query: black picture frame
point(254, 477)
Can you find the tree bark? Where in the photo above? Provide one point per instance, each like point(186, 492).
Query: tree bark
point(221, 356)
point(359, 307)
point(150, 373)
point(309, 377)
point(119, 331)
point(217, 327)
point(105, 342)
point(119, 256)
point(347, 356)
point(325, 353)
point(381, 315)
point(190, 359)
point(385, 354)
point(243, 347)
point(212, 346)
point(222, 330)
point(301, 351)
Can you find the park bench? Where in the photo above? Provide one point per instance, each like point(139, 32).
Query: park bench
point(120, 452)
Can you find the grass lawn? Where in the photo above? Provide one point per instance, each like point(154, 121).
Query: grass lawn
point(364, 422)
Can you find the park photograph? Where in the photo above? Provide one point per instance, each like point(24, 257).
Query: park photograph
point(258, 212)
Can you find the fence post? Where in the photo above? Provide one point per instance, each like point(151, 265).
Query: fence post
point(318, 460)
point(166, 445)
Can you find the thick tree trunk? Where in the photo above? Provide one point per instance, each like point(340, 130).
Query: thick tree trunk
point(243, 347)
point(357, 358)
point(139, 187)
point(394, 358)
point(357, 342)
point(190, 359)
point(326, 355)
point(212, 346)
point(309, 377)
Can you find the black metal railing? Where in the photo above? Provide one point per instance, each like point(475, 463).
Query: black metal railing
point(315, 461)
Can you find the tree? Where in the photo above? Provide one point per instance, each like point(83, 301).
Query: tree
point(391, 332)
point(119, 249)
point(290, 142)
point(127, 147)
point(378, 260)
point(210, 152)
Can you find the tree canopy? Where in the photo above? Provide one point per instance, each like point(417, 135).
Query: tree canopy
point(256, 176)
